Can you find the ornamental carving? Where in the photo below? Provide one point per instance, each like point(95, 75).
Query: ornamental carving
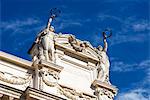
point(77, 46)
point(15, 79)
point(73, 94)
point(102, 91)
point(50, 78)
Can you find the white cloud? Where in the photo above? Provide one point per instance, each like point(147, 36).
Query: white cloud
point(102, 17)
point(17, 28)
point(147, 78)
point(21, 26)
point(67, 23)
point(136, 94)
point(127, 27)
point(123, 38)
point(139, 90)
point(145, 63)
point(119, 66)
point(141, 26)
point(70, 20)
point(17, 24)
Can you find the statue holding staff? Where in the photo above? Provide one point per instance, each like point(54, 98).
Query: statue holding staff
point(45, 39)
point(103, 65)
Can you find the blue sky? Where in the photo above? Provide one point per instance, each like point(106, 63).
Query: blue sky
point(21, 20)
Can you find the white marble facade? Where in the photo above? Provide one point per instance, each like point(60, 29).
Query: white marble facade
point(62, 68)
point(71, 74)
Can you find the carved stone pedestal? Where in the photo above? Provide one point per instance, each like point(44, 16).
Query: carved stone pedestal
point(104, 91)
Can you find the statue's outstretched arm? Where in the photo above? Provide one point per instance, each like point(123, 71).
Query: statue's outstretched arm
point(49, 22)
point(105, 45)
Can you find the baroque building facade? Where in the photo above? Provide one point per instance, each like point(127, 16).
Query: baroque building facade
point(62, 68)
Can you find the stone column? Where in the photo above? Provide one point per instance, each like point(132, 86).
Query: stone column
point(36, 78)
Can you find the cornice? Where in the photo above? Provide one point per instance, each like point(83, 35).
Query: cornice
point(15, 60)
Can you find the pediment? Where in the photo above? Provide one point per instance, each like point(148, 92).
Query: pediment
point(88, 49)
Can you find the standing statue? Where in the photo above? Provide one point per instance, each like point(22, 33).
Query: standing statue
point(45, 39)
point(103, 65)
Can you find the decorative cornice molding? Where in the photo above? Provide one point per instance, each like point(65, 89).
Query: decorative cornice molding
point(40, 95)
point(50, 65)
point(15, 60)
point(102, 88)
point(80, 54)
point(10, 91)
point(98, 83)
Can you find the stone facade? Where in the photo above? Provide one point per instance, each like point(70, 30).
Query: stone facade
point(70, 75)
point(62, 68)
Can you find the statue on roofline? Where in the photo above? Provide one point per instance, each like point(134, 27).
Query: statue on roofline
point(103, 65)
point(45, 39)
